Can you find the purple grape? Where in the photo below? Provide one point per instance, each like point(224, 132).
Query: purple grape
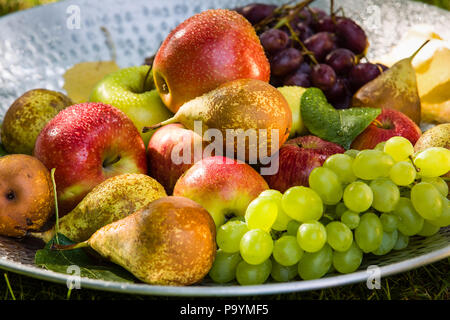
point(304, 32)
point(286, 61)
point(344, 102)
point(321, 44)
point(383, 67)
point(305, 16)
point(304, 68)
point(298, 79)
point(341, 60)
point(337, 92)
point(351, 35)
point(325, 24)
point(274, 40)
point(362, 73)
point(323, 77)
point(256, 12)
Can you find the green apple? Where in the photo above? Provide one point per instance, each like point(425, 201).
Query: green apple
point(293, 95)
point(125, 90)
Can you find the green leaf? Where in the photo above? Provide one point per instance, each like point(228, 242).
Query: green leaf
point(2, 151)
point(59, 261)
point(338, 126)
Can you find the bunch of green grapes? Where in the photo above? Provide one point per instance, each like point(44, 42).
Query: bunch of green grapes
point(359, 202)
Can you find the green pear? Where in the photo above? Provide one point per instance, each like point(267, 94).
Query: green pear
point(243, 105)
point(396, 88)
point(132, 90)
point(170, 241)
point(112, 200)
point(27, 116)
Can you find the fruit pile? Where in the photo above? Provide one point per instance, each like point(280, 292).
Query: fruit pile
point(199, 164)
point(358, 202)
point(307, 47)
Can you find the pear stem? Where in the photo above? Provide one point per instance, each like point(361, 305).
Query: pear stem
point(56, 246)
point(159, 125)
point(52, 175)
point(420, 48)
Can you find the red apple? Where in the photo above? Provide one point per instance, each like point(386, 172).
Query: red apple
point(297, 158)
point(171, 151)
point(88, 143)
point(205, 51)
point(388, 124)
point(221, 185)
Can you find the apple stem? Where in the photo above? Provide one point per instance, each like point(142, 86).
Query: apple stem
point(56, 246)
point(159, 125)
point(145, 78)
point(377, 123)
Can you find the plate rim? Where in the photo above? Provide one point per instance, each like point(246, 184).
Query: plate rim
point(37, 272)
point(226, 290)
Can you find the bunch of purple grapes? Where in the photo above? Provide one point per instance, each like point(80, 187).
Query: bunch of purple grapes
point(315, 50)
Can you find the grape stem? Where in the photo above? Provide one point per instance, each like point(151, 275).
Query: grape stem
point(308, 53)
point(414, 165)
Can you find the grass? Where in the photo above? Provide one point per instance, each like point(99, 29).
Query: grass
point(430, 282)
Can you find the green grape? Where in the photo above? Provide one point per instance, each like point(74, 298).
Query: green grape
point(387, 243)
point(342, 166)
point(358, 196)
point(402, 241)
point(409, 221)
point(444, 219)
point(428, 229)
point(350, 219)
point(256, 246)
point(339, 236)
point(380, 146)
point(340, 209)
point(261, 213)
point(229, 235)
point(352, 152)
point(282, 273)
point(433, 162)
point(403, 173)
point(399, 148)
point(311, 236)
point(251, 274)
point(237, 218)
point(438, 183)
point(302, 204)
point(316, 264)
point(327, 185)
point(369, 233)
point(283, 219)
point(427, 200)
point(389, 222)
point(348, 261)
point(385, 194)
point(292, 228)
point(372, 164)
point(224, 267)
point(286, 251)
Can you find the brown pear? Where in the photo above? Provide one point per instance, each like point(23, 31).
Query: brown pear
point(26, 195)
point(396, 88)
point(171, 241)
point(111, 200)
point(253, 111)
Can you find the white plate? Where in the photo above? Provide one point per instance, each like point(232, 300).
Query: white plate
point(36, 47)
